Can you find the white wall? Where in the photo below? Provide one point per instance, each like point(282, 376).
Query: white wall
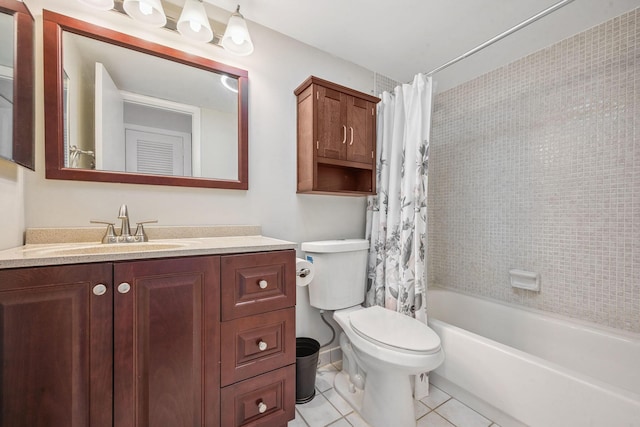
point(11, 204)
point(278, 65)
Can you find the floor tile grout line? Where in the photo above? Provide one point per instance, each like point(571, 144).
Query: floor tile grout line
point(303, 420)
point(465, 405)
point(448, 399)
point(343, 415)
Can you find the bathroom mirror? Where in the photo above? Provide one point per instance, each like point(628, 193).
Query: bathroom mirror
point(123, 109)
point(16, 83)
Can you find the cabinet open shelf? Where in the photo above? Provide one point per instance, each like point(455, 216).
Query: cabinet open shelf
point(342, 179)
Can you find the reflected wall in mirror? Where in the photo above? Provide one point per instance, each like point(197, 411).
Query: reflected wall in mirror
point(16, 83)
point(122, 109)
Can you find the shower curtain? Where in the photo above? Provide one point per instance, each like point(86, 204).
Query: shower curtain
point(396, 222)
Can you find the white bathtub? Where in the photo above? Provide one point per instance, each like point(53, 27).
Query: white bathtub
point(524, 367)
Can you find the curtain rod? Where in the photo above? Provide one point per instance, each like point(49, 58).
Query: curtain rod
point(502, 35)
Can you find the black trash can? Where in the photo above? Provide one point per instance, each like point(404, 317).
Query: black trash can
point(307, 350)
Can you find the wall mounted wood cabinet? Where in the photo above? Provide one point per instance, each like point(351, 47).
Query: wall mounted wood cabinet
point(138, 343)
point(336, 139)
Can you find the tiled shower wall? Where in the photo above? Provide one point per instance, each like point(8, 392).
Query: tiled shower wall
point(382, 83)
point(536, 166)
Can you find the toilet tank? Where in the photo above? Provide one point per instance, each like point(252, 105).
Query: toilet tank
point(340, 272)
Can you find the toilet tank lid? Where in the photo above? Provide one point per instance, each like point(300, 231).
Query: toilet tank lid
point(330, 246)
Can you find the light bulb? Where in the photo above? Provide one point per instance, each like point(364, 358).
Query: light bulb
point(237, 38)
point(145, 8)
point(195, 26)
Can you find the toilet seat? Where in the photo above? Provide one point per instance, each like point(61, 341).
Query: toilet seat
point(394, 330)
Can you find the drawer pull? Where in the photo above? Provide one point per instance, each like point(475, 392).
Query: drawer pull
point(262, 346)
point(262, 407)
point(99, 289)
point(124, 287)
point(263, 284)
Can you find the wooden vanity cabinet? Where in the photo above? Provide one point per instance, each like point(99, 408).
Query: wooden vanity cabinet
point(336, 139)
point(138, 343)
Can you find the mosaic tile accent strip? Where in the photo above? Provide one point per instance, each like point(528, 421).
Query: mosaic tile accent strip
point(536, 166)
point(383, 84)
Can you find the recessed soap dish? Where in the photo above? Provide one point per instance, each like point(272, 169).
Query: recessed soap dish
point(525, 280)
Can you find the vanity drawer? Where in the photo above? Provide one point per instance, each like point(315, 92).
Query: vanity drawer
point(266, 400)
point(256, 344)
point(256, 283)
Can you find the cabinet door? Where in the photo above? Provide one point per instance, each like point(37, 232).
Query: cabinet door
point(331, 131)
point(167, 338)
point(57, 345)
point(360, 132)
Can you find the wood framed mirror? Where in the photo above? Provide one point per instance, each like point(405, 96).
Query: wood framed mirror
point(122, 109)
point(16, 83)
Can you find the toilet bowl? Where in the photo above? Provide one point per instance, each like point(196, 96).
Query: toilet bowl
point(382, 350)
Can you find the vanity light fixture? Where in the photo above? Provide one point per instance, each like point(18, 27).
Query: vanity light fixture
point(99, 4)
point(147, 11)
point(194, 23)
point(236, 38)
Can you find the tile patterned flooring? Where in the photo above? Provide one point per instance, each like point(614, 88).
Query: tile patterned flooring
point(328, 409)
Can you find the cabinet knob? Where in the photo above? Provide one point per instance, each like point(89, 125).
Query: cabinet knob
point(262, 346)
point(124, 287)
point(263, 284)
point(99, 289)
point(262, 407)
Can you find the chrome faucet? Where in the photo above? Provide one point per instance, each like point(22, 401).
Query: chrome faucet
point(125, 230)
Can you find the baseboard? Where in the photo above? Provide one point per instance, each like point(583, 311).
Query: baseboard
point(329, 355)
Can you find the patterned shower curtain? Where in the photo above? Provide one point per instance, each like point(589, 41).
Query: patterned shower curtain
point(397, 216)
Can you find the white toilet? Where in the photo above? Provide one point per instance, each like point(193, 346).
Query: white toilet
point(381, 349)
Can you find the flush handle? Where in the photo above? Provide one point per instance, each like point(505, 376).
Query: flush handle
point(263, 284)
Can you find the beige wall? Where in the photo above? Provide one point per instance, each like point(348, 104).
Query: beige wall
point(278, 65)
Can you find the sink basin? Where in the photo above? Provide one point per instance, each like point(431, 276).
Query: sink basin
point(97, 249)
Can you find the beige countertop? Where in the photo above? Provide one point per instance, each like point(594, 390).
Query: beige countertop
point(215, 240)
